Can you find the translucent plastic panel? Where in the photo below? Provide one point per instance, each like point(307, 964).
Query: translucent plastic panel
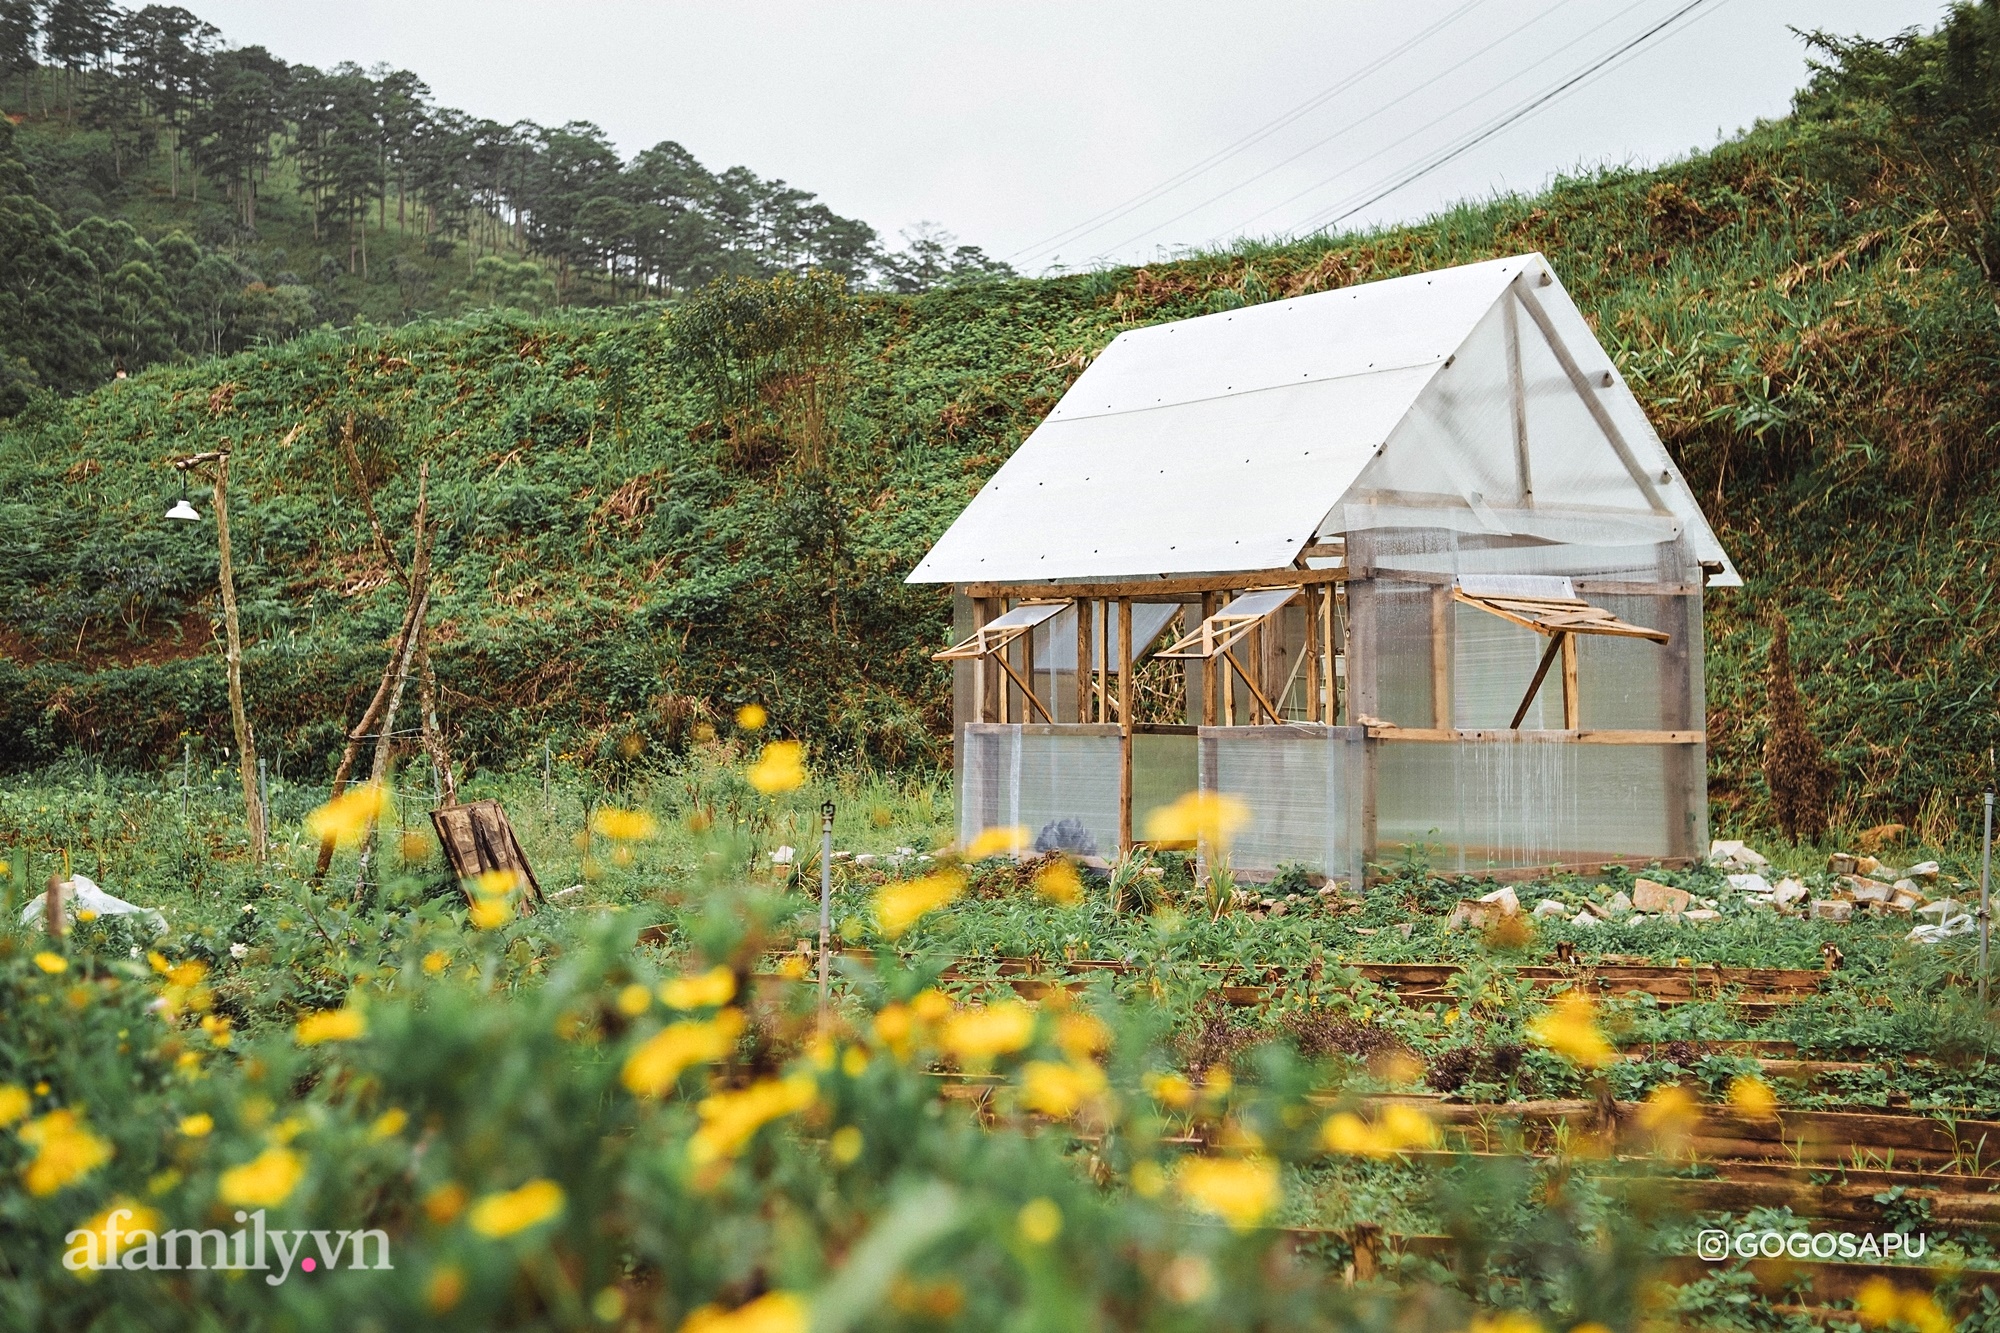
point(1492, 662)
point(1053, 781)
point(1303, 787)
point(1569, 456)
point(1402, 666)
point(1163, 771)
point(1458, 440)
point(1478, 805)
point(1055, 639)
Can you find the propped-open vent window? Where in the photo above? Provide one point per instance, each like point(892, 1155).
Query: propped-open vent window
point(1218, 635)
point(994, 637)
point(1550, 607)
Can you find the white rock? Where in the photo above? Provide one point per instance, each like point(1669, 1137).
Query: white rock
point(1731, 854)
point(866, 859)
point(1549, 907)
point(1943, 909)
point(1652, 896)
point(1962, 924)
point(81, 894)
point(1789, 890)
point(1584, 919)
point(1503, 898)
point(1702, 914)
point(1749, 883)
point(783, 856)
point(906, 851)
point(1831, 909)
point(1923, 870)
point(1619, 905)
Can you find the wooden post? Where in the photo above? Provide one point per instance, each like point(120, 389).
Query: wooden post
point(1326, 631)
point(1124, 725)
point(1028, 677)
point(1572, 712)
point(979, 668)
point(1211, 670)
point(246, 742)
point(1517, 395)
point(1311, 647)
point(1083, 615)
point(1002, 681)
point(1441, 610)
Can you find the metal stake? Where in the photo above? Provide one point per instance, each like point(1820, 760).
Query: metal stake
point(547, 771)
point(1985, 895)
point(825, 899)
point(264, 789)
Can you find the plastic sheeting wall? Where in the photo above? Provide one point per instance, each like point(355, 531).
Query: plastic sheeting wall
point(1303, 785)
point(1478, 805)
point(1163, 771)
point(1037, 776)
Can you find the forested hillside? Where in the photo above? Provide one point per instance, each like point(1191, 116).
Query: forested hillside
point(649, 516)
point(164, 195)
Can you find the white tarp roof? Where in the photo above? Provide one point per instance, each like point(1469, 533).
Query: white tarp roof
point(1228, 442)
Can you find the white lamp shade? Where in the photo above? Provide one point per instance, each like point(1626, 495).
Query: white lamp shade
point(184, 511)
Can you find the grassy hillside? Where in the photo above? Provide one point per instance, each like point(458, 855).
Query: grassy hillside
point(626, 552)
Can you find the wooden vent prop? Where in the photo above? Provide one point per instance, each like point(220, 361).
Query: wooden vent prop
point(1550, 607)
point(477, 839)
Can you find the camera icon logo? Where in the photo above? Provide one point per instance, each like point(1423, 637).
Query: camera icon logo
point(1712, 1245)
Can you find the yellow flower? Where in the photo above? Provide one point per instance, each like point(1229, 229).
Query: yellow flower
point(901, 905)
point(996, 842)
point(781, 768)
point(931, 1005)
point(330, 1025)
point(1039, 1221)
point(65, 1151)
point(1880, 1301)
point(495, 883)
point(14, 1103)
point(701, 990)
point(1060, 884)
point(51, 963)
point(345, 819)
point(199, 1125)
point(751, 717)
point(1200, 817)
point(977, 1035)
point(436, 961)
point(1059, 1090)
point(653, 1069)
point(1082, 1035)
point(1148, 1180)
point(263, 1182)
point(623, 825)
point(1397, 1127)
point(1753, 1097)
point(490, 913)
point(845, 1145)
point(389, 1124)
point(1239, 1190)
point(729, 1119)
point(1669, 1114)
point(510, 1212)
point(773, 1312)
point(1569, 1028)
point(138, 1217)
point(634, 1000)
point(1172, 1090)
point(217, 1027)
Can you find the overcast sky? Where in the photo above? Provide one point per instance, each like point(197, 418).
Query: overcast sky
point(1019, 127)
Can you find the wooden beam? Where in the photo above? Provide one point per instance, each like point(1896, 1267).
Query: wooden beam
point(1517, 393)
point(1588, 392)
point(1548, 658)
point(1601, 736)
point(1161, 590)
point(1124, 725)
point(1083, 615)
point(1027, 694)
point(1332, 659)
point(979, 618)
point(1572, 712)
point(1441, 604)
point(1270, 713)
point(1309, 649)
point(1210, 672)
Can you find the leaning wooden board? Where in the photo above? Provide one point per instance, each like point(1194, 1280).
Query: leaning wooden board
point(477, 839)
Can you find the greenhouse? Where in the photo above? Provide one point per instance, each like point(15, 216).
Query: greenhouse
point(1402, 566)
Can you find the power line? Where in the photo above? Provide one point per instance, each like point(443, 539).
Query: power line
point(1395, 101)
point(1511, 118)
point(1515, 77)
point(1257, 135)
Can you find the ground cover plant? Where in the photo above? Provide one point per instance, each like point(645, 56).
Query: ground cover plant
point(623, 1110)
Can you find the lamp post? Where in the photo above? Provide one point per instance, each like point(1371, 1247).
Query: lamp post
point(215, 466)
